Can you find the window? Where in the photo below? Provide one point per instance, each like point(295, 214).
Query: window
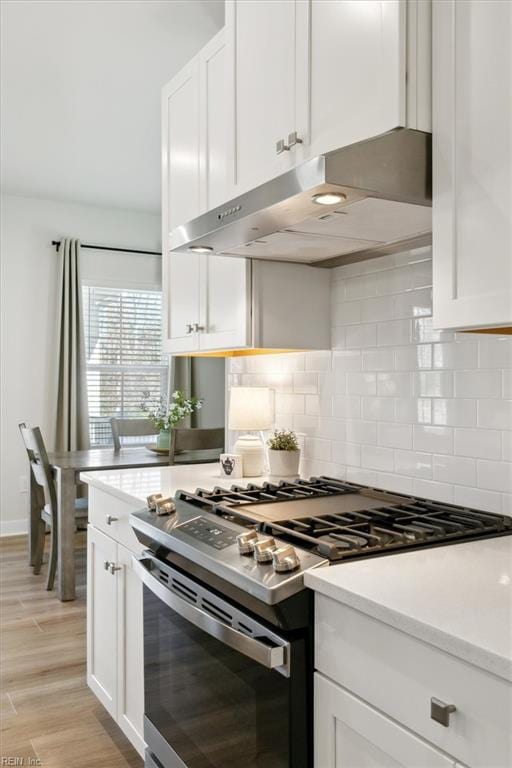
point(123, 341)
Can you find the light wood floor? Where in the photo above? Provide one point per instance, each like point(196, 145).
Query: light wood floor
point(47, 711)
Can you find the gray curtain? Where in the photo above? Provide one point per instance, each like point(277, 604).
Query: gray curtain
point(72, 428)
point(181, 377)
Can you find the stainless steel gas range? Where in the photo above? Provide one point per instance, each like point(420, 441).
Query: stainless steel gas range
point(228, 641)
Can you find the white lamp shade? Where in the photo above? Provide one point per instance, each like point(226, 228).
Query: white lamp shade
point(251, 408)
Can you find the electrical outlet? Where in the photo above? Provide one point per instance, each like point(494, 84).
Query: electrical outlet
point(23, 484)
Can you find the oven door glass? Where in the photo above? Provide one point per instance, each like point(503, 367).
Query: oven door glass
point(214, 706)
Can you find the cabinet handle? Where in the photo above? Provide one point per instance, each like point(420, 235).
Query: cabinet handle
point(198, 327)
point(113, 568)
point(281, 147)
point(109, 519)
point(106, 565)
point(293, 139)
point(189, 328)
point(440, 712)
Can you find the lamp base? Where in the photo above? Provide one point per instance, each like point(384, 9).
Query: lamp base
point(251, 449)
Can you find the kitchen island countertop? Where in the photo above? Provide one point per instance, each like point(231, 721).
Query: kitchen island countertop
point(456, 597)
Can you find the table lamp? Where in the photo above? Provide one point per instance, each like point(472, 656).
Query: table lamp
point(250, 411)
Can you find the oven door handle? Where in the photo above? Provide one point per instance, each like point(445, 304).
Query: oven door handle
point(272, 657)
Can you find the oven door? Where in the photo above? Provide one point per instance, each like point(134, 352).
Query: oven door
point(219, 686)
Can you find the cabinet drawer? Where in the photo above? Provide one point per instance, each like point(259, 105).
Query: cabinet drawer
point(111, 516)
point(399, 674)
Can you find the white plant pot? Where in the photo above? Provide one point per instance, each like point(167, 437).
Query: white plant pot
point(284, 463)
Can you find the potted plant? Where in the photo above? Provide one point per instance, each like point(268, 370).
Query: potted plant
point(283, 453)
point(165, 416)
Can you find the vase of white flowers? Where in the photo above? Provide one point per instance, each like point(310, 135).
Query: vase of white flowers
point(165, 416)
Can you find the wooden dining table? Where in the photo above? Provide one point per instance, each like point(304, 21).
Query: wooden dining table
point(66, 467)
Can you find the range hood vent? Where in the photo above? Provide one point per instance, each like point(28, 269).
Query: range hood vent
point(383, 190)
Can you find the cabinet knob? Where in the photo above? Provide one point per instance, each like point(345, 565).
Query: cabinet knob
point(189, 327)
point(440, 712)
point(293, 139)
point(110, 519)
point(198, 328)
point(281, 147)
point(113, 568)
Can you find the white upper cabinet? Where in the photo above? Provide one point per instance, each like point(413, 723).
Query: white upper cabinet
point(261, 41)
point(181, 148)
point(224, 303)
point(356, 71)
point(472, 164)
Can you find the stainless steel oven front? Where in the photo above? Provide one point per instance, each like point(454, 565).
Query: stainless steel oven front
point(222, 689)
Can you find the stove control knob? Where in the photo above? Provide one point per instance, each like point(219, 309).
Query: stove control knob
point(285, 559)
point(263, 550)
point(246, 542)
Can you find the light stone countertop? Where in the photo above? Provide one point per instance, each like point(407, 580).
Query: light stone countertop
point(135, 485)
point(456, 597)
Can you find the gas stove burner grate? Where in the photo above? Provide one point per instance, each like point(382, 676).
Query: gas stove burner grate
point(364, 521)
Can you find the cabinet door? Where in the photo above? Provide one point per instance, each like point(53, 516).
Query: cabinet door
point(349, 733)
point(356, 72)
point(181, 296)
point(472, 164)
point(130, 651)
point(226, 316)
point(261, 47)
point(180, 149)
point(101, 619)
point(213, 122)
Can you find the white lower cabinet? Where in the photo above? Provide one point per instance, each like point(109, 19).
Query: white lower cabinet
point(115, 669)
point(351, 734)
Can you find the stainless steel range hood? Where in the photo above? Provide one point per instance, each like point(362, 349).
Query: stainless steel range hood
point(384, 186)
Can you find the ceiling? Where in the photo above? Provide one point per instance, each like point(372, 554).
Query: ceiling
point(81, 84)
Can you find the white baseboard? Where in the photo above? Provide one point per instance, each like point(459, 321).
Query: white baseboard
point(13, 527)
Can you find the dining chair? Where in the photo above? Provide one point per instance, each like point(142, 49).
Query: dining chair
point(41, 470)
point(191, 439)
point(130, 428)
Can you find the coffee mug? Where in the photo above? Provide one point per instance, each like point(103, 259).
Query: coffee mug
point(231, 465)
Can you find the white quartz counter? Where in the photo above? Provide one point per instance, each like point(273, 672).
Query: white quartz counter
point(135, 485)
point(457, 597)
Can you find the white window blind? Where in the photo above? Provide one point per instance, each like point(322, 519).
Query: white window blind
point(123, 340)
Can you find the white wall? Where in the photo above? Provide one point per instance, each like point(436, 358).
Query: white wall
point(396, 404)
point(28, 298)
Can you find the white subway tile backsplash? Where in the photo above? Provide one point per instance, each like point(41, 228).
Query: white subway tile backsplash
point(359, 383)
point(316, 448)
point(364, 432)
point(373, 457)
point(495, 414)
point(394, 435)
point(478, 499)
point(453, 412)
point(394, 384)
point(433, 384)
point(477, 383)
point(495, 475)
point(393, 333)
point(427, 489)
point(494, 352)
point(378, 408)
point(478, 443)
point(396, 403)
point(455, 470)
point(360, 336)
point(378, 360)
point(413, 304)
point(346, 406)
point(455, 355)
point(413, 464)
point(433, 439)
point(346, 453)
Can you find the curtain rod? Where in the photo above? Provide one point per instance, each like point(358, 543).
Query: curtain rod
point(56, 243)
